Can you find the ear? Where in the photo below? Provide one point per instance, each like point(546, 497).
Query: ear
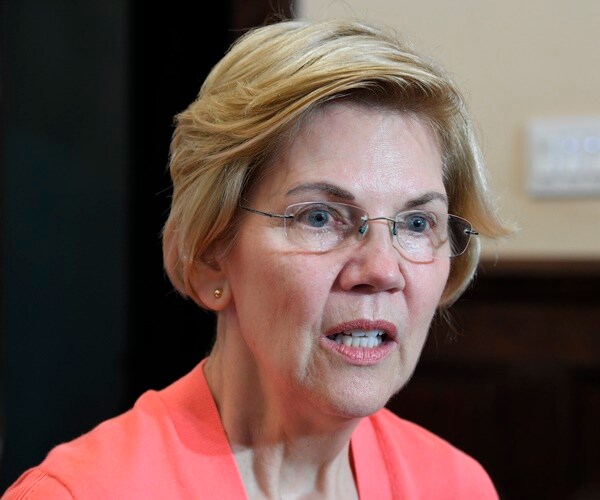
point(210, 286)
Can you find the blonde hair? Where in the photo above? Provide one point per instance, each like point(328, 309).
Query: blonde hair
point(259, 94)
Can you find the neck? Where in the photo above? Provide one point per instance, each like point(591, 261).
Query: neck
point(281, 446)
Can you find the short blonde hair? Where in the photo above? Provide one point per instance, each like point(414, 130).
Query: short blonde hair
point(254, 99)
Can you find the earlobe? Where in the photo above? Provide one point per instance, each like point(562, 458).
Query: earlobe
point(209, 285)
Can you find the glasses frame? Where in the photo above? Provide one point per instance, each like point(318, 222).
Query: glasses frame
point(363, 229)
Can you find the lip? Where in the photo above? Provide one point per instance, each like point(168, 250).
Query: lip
point(365, 324)
point(363, 356)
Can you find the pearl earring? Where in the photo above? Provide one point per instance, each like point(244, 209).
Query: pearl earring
point(218, 293)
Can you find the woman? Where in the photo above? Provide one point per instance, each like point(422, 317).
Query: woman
point(324, 180)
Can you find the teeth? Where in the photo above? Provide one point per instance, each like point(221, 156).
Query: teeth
point(363, 333)
point(360, 338)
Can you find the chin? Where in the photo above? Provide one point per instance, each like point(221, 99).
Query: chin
point(357, 400)
point(359, 410)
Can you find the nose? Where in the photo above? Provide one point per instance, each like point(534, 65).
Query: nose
point(374, 264)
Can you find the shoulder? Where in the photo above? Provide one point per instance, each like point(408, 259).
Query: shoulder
point(82, 467)
point(36, 484)
point(430, 459)
point(154, 450)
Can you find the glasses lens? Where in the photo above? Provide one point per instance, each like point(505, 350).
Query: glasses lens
point(415, 232)
point(423, 238)
point(460, 234)
point(322, 226)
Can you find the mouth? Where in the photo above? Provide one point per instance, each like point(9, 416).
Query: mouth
point(363, 333)
point(362, 342)
point(356, 337)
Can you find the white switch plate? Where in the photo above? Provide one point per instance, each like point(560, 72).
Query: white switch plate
point(564, 156)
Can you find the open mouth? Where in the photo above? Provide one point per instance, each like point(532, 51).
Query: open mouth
point(360, 338)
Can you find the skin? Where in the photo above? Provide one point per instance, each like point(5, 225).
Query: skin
point(288, 400)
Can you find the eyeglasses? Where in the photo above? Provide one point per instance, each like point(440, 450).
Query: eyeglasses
point(325, 226)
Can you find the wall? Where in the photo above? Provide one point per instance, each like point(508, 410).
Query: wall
point(64, 134)
point(515, 61)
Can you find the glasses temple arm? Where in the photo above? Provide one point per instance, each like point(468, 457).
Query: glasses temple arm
point(267, 214)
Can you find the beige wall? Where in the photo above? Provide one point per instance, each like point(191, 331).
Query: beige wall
point(515, 60)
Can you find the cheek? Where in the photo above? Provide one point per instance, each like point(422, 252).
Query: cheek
point(284, 287)
point(302, 285)
point(426, 285)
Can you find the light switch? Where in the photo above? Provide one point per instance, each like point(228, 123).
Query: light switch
point(564, 156)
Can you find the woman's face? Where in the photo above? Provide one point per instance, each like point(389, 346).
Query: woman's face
point(288, 305)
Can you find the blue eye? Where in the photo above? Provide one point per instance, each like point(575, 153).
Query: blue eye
point(318, 218)
point(322, 216)
point(417, 223)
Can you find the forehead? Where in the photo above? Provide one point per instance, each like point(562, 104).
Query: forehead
point(370, 152)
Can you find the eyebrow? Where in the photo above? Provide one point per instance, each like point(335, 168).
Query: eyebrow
point(426, 198)
point(323, 187)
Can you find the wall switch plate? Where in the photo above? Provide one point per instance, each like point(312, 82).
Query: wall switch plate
point(564, 157)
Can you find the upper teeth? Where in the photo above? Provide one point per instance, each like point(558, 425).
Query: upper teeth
point(360, 338)
point(363, 333)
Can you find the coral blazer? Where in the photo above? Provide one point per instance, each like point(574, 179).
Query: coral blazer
point(172, 445)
